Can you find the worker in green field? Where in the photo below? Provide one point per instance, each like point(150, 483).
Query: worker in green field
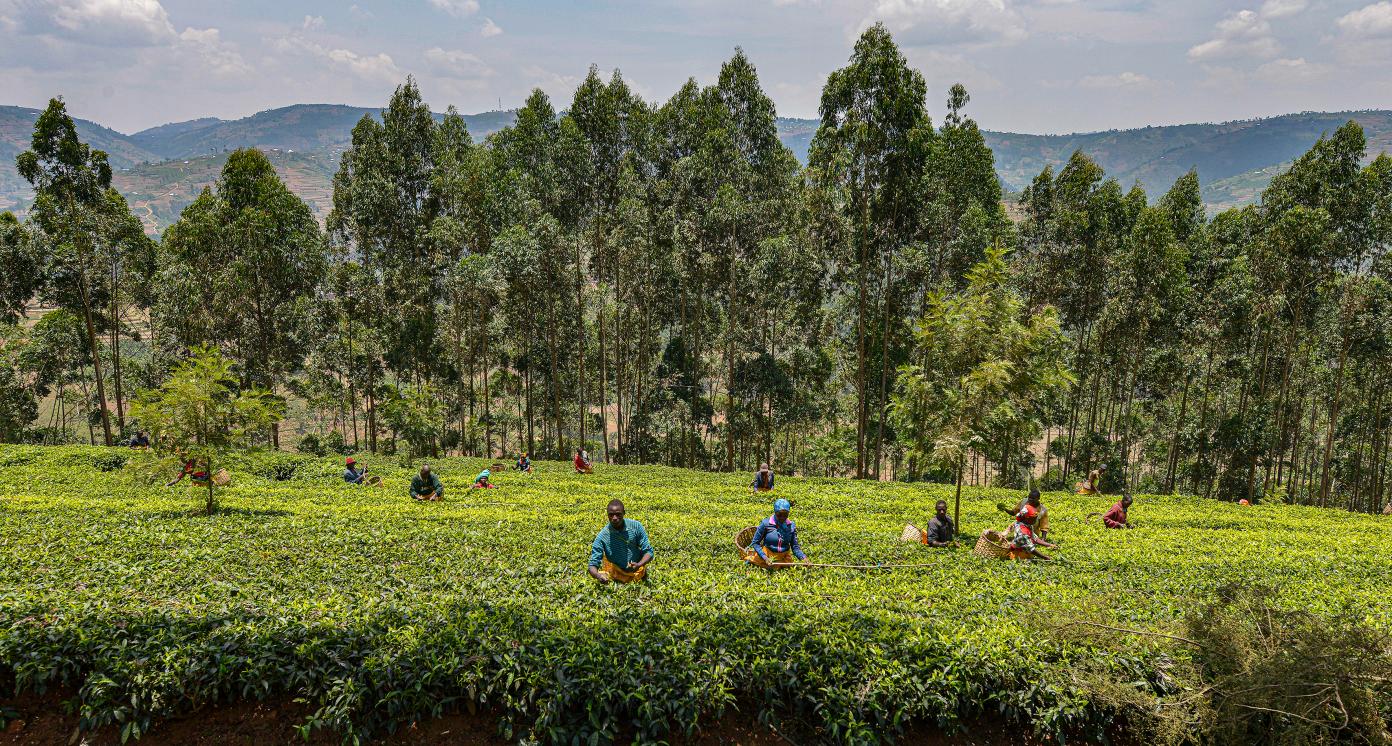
point(352, 473)
point(776, 540)
point(1041, 525)
point(426, 486)
point(942, 532)
point(620, 552)
point(1093, 484)
point(763, 479)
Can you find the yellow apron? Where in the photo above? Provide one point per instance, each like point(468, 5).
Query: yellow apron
point(619, 575)
point(753, 558)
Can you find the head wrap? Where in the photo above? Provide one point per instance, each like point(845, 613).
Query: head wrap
point(351, 461)
point(781, 504)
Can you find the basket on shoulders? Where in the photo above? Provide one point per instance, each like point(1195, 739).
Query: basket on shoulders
point(911, 533)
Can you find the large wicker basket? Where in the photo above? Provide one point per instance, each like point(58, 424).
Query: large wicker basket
point(993, 544)
point(911, 533)
point(744, 538)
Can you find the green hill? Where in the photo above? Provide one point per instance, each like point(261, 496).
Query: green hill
point(300, 127)
point(16, 132)
point(1234, 160)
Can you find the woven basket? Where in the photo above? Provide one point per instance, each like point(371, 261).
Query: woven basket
point(744, 538)
point(222, 478)
point(912, 534)
point(375, 481)
point(992, 544)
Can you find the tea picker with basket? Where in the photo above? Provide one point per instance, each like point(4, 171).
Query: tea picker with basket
point(621, 551)
point(941, 531)
point(354, 474)
point(774, 542)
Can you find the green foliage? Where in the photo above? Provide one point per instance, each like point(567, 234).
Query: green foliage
point(200, 414)
point(416, 414)
point(379, 611)
point(986, 370)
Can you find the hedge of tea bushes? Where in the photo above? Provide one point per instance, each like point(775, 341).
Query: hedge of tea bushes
point(378, 610)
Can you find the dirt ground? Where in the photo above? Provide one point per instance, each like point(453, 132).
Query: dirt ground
point(43, 721)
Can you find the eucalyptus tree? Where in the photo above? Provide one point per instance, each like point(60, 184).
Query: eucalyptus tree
point(984, 369)
point(70, 183)
point(864, 157)
point(23, 274)
point(239, 270)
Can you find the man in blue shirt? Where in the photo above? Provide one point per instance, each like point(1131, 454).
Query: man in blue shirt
point(776, 539)
point(621, 552)
point(352, 474)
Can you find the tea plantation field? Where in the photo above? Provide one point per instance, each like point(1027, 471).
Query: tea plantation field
point(378, 610)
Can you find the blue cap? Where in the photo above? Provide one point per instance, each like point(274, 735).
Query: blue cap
point(781, 504)
point(484, 473)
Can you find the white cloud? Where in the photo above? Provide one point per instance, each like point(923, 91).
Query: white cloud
point(359, 14)
point(1293, 70)
point(1368, 22)
point(1243, 34)
point(930, 22)
point(113, 23)
point(312, 23)
point(490, 28)
point(215, 55)
point(454, 63)
point(367, 66)
point(1282, 8)
point(456, 8)
point(1125, 80)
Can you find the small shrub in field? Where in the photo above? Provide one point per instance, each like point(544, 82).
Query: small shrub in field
point(109, 461)
point(310, 444)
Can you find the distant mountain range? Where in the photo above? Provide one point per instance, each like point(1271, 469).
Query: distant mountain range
point(161, 169)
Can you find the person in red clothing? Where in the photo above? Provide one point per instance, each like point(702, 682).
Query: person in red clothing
point(1116, 516)
point(1022, 532)
point(582, 462)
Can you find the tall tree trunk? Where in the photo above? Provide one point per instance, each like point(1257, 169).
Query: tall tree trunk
point(884, 368)
point(861, 403)
point(116, 345)
point(1333, 421)
point(94, 352)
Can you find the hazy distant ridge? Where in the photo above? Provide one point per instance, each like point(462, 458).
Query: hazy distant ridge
point(1234, 159)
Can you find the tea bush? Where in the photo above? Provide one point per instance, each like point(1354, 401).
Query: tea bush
point(378, 610)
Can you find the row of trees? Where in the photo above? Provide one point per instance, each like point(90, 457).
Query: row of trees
point(663, 282)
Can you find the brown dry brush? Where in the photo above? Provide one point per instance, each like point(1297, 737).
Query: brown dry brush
point(1248, 672)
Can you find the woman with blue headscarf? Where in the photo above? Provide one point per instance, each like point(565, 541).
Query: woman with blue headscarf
point(481, 482)
point(776, 539)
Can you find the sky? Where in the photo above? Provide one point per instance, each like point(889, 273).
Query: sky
point(1040, 66)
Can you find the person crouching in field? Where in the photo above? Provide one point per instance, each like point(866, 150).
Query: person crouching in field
point(763, 479)
point(1093, 485)
point(1041, 525)
point(776, 539)
point(481, 481)
point(620, 552)
point(524, 464)
point(1115, 517)
point(941, 531)
point(190, 470)
point(582, 462)
point(1022, 532)
point(352, 473)
point(427, 486)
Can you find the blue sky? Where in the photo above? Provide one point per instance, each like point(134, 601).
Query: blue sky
point(1030, 65)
